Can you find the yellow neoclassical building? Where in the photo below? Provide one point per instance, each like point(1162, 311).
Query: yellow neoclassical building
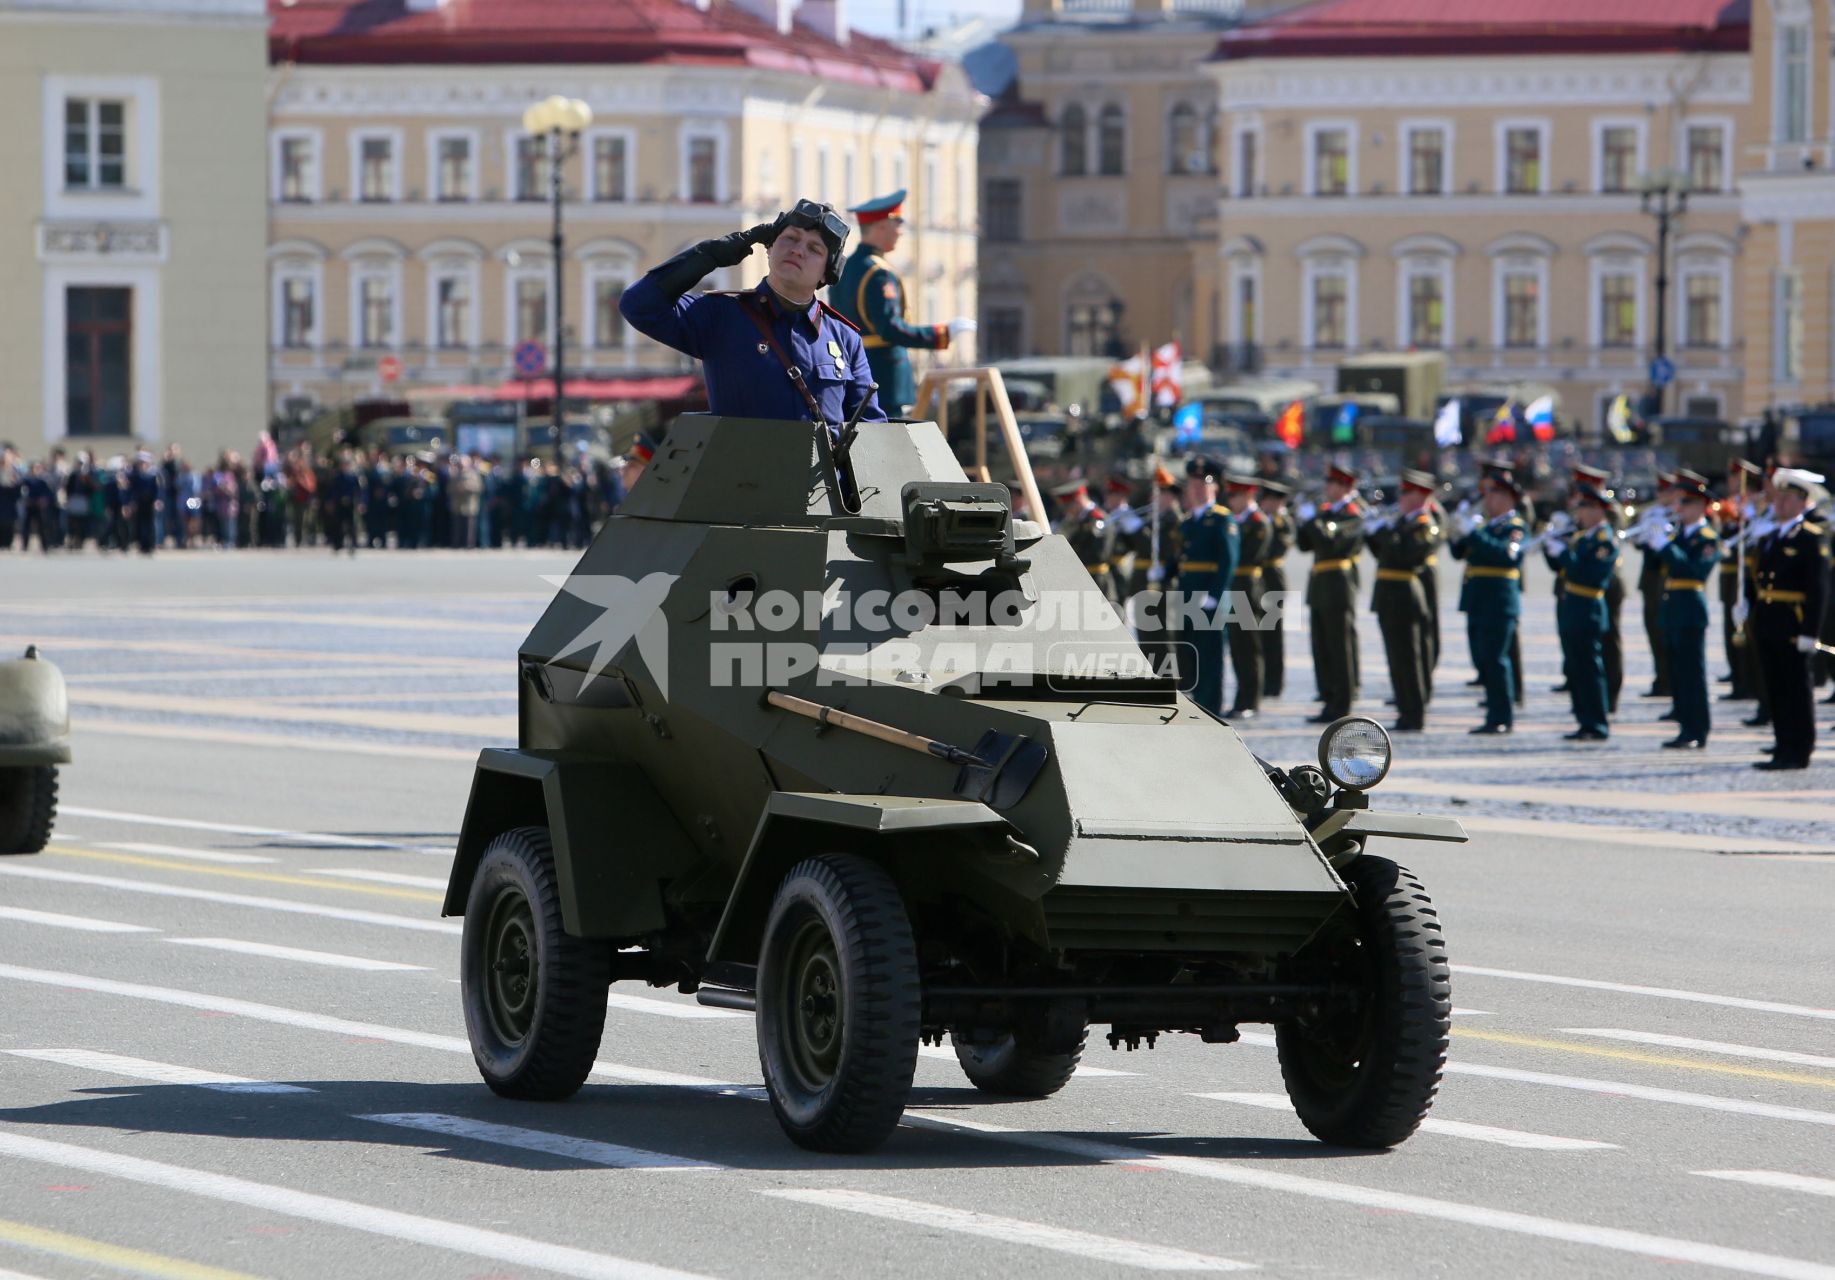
point(410, 216)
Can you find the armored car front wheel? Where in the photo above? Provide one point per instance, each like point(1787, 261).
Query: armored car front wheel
point(1012, 1067)
point(534, 995)
point(28, 806)
point(839, 1004)
point(1364, 1075)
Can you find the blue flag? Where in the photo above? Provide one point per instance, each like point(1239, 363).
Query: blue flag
point(1344, 431)
point(1187, 423)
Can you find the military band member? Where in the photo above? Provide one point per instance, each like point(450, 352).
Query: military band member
point(1430, 586)
point(1334, 536)
point(1745, 481)
point(1688, 551)
point(1402, 545)
point(1490, 541)
point(1764, 522)
point(1207, 561)
point(1081, 522)
point(1156, 625)
point(1792, 580)
point(1587, 562)
point(1650, 587)
point(1612, 645)
point(1130, 545)
point(1281, 534)
point(1242, 631)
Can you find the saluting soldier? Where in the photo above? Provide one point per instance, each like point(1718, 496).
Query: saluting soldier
point(1587, 563)
point(1243, 630)
point(1335, 537)
point(1403, 544)
point(1688, 550)
point(1792, 579)
point(1080, 521)
point(1207, 561)
point(1650, 587)
point(1744, 482)
point(1281, 534)
point(1490, 541)
point(872, 297)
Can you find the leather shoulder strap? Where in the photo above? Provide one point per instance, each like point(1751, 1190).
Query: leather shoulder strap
point(755, 310)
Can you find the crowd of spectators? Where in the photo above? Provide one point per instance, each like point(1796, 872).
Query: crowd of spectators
point(351, 499)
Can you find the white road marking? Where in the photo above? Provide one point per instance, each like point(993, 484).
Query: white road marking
point(17, 1275)
point(1767, 1178)
point(518, 1251)
point(322, 1022)
point(87, 924)
point(177, 851)
point(668, 1008)
point(608, 1154)
point(1472, 1013)
point(235, 899)
point(330, 959)
point(1666, 993)
point(1450, 1128)
point(1081, 1244)
point(1703, 1046)
point(381, 877)
point(163, 1072)
point(234, 829)
point(1663, 1248)
point(949, 1055)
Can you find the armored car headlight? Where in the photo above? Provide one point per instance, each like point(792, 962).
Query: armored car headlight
point(1355, 753)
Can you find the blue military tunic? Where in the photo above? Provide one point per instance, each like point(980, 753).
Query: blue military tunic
point(1586, 568)
point(1492, 599)
point(1209, 542)
point(871, 296)
point(1688, 564)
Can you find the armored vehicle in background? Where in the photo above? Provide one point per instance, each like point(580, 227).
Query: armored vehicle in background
point(34, 740)
point(837, 740)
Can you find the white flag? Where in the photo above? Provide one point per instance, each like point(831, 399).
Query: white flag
point(1446, 424)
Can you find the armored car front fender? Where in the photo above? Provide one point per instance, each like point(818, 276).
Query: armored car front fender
point(34, 713)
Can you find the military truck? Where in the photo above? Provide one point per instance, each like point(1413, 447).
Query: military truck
point(829, 736)
point(34, 740)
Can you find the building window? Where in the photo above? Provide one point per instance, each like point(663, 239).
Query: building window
point(1184, 150)
point(1247, 325)
point(375, 312)
point(1701, 316)
point(1002, 333)
point(1111, 142)
point(1522, 309)
point(608, 324)
point(376, 169)
point(1617, 309)
point(1523, 160)
point(1701, 407)
point(611, 174)
point(1617, 158)
point(95, 144)
point(1426, 310)
point(98, 370)
point(703, 171)
point(1332, 162)
point(1787, 328)
point(299, 179)
point(1793, 106)
point(452, 178)
point(1094, 329)
point(298, 311)
point(1330, 310)
point(1427, 162)
point(531, 309)
point(531, 168)
point(1706, 157)
point(1073, 142)
point(1001, 219)
point(1248, 177)
point(453, 303)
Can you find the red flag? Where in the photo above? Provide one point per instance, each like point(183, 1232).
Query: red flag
point(1167, 374)
point(1291, 425)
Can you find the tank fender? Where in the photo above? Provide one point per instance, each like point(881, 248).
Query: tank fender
point(607, 890)
point(34, 712)
point(796, 824)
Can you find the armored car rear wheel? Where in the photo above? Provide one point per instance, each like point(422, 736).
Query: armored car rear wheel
point(1366, 1076)
point(1012, 1068)
point(838, 1004)
point(28, 805)
point(534, 995)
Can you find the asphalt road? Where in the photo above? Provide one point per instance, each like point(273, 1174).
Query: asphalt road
point(232, 1040)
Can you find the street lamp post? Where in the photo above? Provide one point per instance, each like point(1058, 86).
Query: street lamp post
point(1664, 196)
point(556, 122)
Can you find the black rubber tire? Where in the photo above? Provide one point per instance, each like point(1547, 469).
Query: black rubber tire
point(1369, 1081)
point(838, 1072)
point(28, 807)
point(1011, 1068)
point(535, 1024)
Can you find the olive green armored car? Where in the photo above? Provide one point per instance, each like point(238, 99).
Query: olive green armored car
point(826, 734)
point(34, 740)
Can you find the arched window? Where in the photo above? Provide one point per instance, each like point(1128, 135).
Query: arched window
point(1073, 142)
point(1183, 154)
point(1111, 141)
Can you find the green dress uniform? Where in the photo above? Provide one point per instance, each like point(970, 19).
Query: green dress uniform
point(1208, 544)
point(1399, 601)
point(1650, 587)
point(1491, 598)
point(1792, 579)
point(1688, 564)
point(1156, 622)
point(1587, 566)
point(872, 297)
point(1281, 535)
point(1429, 572)
point(1335, 538)
point(1091, 536)
point(1732, 522)
point(1254, 531)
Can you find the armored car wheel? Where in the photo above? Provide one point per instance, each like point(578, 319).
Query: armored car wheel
point(1365, 1077)
point(838, 1004)
point(28, 805)
point(1013, 1068)
point(534, 995)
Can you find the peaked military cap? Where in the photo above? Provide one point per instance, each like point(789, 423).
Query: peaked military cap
point(1241, 480)
point(1589, 492)
point(1277, 486)
point(1598, 477)
point(1070, 491)
point(1341, 473)
point(643, 448)
point(1692, 483)
point(1202, 468)
point(1420, 480)
point(1796, 479)
point(881, 208)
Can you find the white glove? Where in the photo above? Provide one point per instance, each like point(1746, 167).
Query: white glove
point(1660, 536)
point(1763, 527)
point(961, 325)
point(1741, 611)
point(1156, 573)
point(1376, 524)
point(1806, 644)
point(1465, 522)
point(1307, 511)
point(1210, 606)
point(1560, 525)
point(1556, 546)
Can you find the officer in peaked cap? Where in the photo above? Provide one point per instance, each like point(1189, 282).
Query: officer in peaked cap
point(1792, 580)
point(1083, 525)
point(1282, 530)
point(1612, 644)
point(1402, 544)
point(1587, 560)
point(1490, 541)
point(1208, 551)
point(1335, 537)
point(1650, 587)
point(871, 295)
point(1745, 485)
point(1688, 550)
point(774, 351)
point(1243, 629)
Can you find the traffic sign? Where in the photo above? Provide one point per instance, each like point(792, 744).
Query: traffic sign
point(389, 367)
point(1662, 371)
point(531, 359)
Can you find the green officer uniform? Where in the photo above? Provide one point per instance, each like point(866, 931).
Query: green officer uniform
point(1254, 530)
point(1491, 598)
point(1281, 534)
point(1688, 564)
point(1208, 545)
point(872, 297)
point(1587, 565)
point(1335, 537)
point(1089, 534)
point(1399, 601)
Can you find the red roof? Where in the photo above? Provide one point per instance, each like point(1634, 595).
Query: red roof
point(504, 32)
point(1372, 28)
